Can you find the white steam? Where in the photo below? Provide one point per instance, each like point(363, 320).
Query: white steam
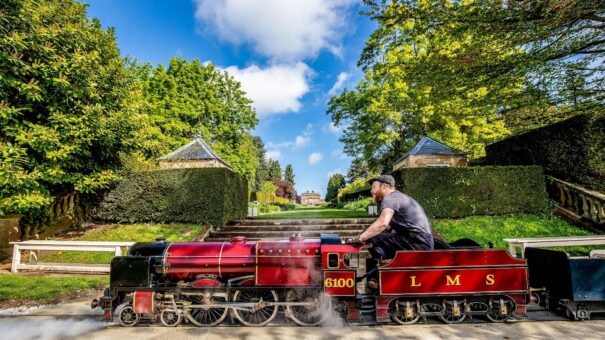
point(46, 328)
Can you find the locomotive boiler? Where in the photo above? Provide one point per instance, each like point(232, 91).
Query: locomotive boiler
point(203, 283)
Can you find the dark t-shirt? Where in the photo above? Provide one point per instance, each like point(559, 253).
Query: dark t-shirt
point(409, 216)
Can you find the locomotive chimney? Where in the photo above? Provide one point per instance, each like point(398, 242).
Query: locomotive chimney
point(239, 239)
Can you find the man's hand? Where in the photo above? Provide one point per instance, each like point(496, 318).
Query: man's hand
point(354, 242)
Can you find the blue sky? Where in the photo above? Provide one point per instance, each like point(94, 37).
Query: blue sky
point(289, 55)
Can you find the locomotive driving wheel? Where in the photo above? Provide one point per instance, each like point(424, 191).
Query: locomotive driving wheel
point(500, 309)
point(206, 316)
point(312, 314)
point(454, 311)
point(404, 312)
point(260, 314)
point(127, 316)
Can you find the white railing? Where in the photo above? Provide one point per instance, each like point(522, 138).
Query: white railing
point(34, 245)
point(522, 243)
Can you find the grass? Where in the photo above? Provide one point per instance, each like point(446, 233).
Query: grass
point(124, 232)
point(44, 289)
point(484, 229)
point(315, 212)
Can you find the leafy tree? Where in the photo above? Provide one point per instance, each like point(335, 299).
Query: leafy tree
point(412, 86)
point(289, 174)
point(188, 98)
point(335, 183)
point(273, 170)
point(261, 170)
point(268, 187)
point(65, 104)
point(358, 169)
point(284, 189)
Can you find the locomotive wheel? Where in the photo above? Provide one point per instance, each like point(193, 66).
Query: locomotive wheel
point(206, 317)
point(127, 316)
point(255, 317)
point(308, 315)
point(170, 318)
point(497, 306)
point(404, 312)
point(453, 311)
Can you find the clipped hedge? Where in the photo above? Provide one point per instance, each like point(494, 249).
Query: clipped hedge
point(207, 196)
point(485, 190)
point(571, 150)
point(265, 197)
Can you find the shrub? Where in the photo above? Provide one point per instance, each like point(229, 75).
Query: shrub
point(264, 198)
point(359, 204)
point(207, 196)
point(267, 209)
point(571, 150)
point(485, 190)
point(356, 189)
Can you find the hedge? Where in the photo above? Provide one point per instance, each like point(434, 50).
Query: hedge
point(483, 190)
point(265, 197)
point(571, 150)
point(206, 196)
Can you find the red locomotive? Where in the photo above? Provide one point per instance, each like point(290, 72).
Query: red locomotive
point(203, 282)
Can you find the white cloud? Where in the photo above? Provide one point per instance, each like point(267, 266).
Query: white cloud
point(282, 30)
point(339, 84)
point(331, 128)
point(334, 172)
point(299, 142)
point(315, 157)
point(275, 89)
point(302, 141)
point(339, 154)
point(273, 154)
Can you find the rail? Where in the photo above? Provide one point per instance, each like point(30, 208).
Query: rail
point(35, 245)
point(522, 243)
point(587, 204)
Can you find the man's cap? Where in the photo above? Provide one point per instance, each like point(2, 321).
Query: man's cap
point(388, 179)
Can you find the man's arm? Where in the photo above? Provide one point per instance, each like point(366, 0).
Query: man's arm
point(378, 226)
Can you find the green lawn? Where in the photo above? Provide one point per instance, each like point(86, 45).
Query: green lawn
point(124, 232)
point(45, 289)
point(315, 212)
point(484, 229)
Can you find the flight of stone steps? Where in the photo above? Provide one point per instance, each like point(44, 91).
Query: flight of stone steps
point(259, 229)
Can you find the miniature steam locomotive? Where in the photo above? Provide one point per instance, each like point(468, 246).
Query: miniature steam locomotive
point(203, 283)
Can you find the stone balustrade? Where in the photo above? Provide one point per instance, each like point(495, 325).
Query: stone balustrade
point(586, 203)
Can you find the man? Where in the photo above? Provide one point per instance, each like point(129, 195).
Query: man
point(402, 224)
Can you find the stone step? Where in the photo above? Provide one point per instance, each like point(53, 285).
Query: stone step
point(284, 234)
point(305, 221)
point(303, 227)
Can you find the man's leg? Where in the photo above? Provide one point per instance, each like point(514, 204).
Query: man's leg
point(385, 245)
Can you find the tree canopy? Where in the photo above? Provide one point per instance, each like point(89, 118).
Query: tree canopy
point(469, 73)
point(65, 104)
point(335, 183)
point(75, 115)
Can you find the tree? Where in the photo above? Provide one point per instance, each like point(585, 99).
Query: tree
point(412, 86)
point(289, 174)
point(284, 189)
point(273, 170)
point(65, 104)
point(335, 183)
point(260, 174)
point(268, 187)
point(357, 169)
point(188, 98)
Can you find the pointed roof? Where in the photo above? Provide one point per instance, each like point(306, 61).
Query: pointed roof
point(428, 146)
point(197, 149)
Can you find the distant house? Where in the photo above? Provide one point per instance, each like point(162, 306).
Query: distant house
point(311, 198)
point(195, 154)
point(429, 152)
